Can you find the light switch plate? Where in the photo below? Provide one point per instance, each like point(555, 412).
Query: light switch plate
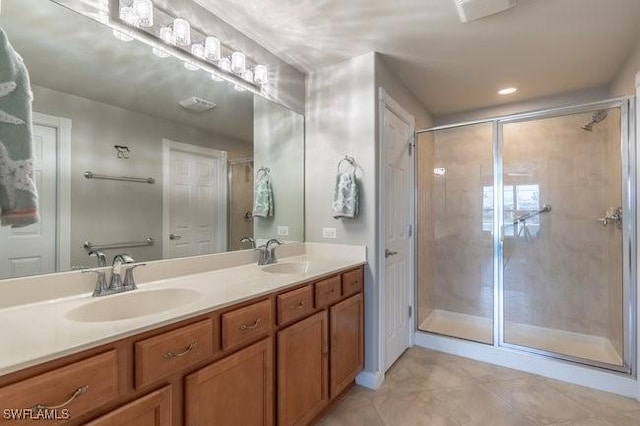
point(283, 231)
point(329, 233)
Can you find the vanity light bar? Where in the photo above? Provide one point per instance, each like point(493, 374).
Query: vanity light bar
point(174, 39)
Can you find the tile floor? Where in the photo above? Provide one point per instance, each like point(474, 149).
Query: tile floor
point(427, 388)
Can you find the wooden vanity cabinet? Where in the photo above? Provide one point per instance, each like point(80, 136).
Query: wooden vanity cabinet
point(282, 358)
point(150, 410)
point(303, 370)
point(347, 337)
point(237, 390)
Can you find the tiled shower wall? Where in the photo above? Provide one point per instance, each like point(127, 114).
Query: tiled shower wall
point(566, 272)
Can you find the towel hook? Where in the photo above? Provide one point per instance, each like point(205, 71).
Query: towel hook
point(350, 160)
point(264, 170)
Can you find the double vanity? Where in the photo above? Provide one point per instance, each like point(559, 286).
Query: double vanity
point(239, 345)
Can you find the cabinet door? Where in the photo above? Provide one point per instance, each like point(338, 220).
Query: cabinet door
point(303, 370)
point(347, 342)
point(151, 410)
point(237, 390)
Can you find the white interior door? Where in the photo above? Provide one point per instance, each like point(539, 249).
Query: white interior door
point(31, 249)
point(398, 254)
point(196, 208)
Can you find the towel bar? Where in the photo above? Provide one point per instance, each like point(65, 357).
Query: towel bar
point(91, 175)
point(148, 241)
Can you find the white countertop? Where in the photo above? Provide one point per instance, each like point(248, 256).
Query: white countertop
point(38, 332)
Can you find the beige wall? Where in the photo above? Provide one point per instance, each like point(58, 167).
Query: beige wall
point(279, 136)
point(109, 211)
point(625, 81)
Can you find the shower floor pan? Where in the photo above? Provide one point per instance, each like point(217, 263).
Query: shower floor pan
point(480, 329)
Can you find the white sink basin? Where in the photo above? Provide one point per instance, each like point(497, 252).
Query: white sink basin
point(136, 303)
point(287, 268)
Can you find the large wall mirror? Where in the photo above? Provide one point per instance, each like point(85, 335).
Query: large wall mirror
point(105, 109)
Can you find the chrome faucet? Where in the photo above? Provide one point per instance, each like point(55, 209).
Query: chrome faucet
point(268, 253)
point(248, 240)
point(271, 251)
point(115, 284)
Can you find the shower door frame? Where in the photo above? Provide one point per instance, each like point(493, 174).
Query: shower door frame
point(627, 107)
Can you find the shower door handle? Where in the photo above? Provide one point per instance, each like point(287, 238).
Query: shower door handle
point(389, 253)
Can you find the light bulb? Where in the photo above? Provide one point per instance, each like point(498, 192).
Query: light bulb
point(260, 74)
point(248, 76)
point(238, 62)
point(212, 48)
point(225, 64)
point(182, 31)
point(166, 35)
point(144, 10)
point(129, 16)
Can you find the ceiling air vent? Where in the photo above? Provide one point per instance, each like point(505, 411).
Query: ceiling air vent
point(471, 10)
point(197, 104)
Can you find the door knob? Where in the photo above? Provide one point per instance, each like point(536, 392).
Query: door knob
point(389, 253)
point(174, 237)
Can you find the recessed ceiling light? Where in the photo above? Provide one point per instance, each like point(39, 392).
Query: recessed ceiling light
point(507, 91)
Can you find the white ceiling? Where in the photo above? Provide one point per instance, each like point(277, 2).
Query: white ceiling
point(68, 52)
point(543, 47)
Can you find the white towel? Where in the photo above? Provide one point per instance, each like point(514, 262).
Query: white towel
point(346, 196)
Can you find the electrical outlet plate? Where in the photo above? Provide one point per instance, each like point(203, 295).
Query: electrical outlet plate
point(283, 231)
point(329, 233)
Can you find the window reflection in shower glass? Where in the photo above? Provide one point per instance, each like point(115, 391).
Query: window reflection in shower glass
point(518, 200)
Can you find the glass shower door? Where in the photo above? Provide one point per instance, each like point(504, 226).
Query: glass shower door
point(562, 238)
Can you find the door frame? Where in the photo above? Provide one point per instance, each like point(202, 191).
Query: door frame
point(63, 185)
point(222, 185)
point(385, 101)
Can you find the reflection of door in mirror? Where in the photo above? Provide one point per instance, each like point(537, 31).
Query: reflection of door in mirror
point(32, 249)
point(195, 206)
point(240, 202)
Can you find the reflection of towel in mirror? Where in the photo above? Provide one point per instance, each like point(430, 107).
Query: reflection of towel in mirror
point(18, 193)
point(263, 196)
point(346, 202)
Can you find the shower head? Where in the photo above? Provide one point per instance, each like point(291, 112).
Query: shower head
point(596, 118)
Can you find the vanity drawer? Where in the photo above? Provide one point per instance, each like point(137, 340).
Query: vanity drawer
point(160, 356)
point(79, 388)
point(294, 304)
point(327, 291)
point(352, 282)
point(246, 325)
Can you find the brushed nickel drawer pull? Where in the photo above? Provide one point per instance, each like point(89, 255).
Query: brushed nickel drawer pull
point(298, 305)
point(75, 394)
point(253, 326)
point(171, 355)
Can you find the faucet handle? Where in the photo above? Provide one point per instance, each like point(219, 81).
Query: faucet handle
point(129, 280)
point(102, 259)
point(101, 282)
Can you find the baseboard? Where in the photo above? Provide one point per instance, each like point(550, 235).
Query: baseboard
point(370, 380)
